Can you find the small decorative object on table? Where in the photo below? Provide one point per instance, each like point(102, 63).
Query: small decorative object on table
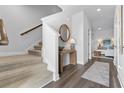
point(72, 42)
point(67, 46)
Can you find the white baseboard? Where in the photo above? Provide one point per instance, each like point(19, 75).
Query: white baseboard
point(119, 78)
point(56, 78)
point(45, 60)
point(80, 62)
point(49, 68)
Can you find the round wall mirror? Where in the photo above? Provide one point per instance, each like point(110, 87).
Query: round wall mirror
point(64, 33)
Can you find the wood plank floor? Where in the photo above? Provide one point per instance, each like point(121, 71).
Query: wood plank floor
point(71, 77)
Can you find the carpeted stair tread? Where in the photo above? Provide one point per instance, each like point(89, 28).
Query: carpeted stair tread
point(37, 47)
point(13, 76)
point(8, 63)
point(33, 81)
point(34, 52)
point(40, 43)
point(26, 71)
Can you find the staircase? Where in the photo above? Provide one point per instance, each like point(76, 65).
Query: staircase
point(24, 71)
point(36, 50)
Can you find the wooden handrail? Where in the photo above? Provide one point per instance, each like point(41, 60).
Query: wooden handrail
point(30, 30)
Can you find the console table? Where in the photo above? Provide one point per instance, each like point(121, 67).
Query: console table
point(106, 52)
point(73, 58)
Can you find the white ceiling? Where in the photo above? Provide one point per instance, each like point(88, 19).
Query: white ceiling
point(103, 19)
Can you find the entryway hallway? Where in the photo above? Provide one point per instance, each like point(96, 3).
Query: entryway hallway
point(71, 78)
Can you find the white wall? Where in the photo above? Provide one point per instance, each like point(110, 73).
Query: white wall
point(80, 26)
point(18, 19)
point(50, 49)
point(119, 61)
point(76, 23)
point(51, 40)
point(77, 34)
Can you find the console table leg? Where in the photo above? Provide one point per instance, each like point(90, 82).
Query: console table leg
point(61, 58)
point(73, 58)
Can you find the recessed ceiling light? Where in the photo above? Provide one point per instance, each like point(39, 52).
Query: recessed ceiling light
point(99, 28)
point(98, 10)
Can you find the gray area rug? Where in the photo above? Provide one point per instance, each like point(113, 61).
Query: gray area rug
point(99, 73)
